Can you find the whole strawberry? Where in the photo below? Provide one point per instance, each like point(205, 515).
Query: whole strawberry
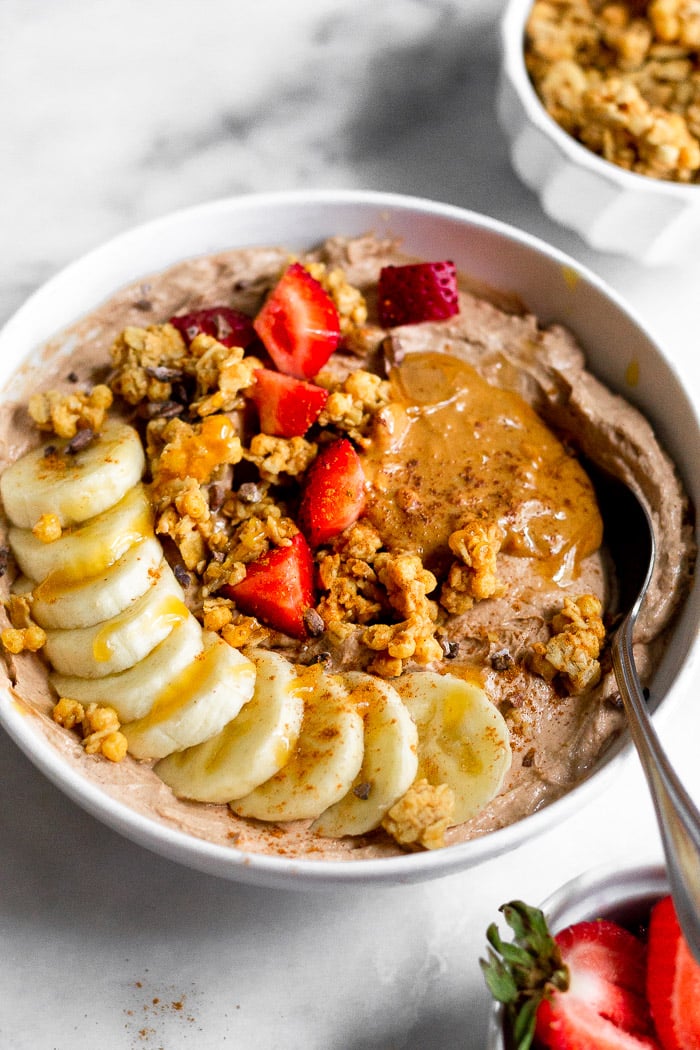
point(581, 990)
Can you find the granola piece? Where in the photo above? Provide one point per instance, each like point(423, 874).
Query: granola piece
point(352, 404)
point(244, 630)
point(561, 88)
point(194, 450)
point(23, 639)
point(573, 650)
point(48, 528)
point(68, 713)
point(474, 577)
point(274, 456)
point(352, 595)
point(217, 613)
point(349, 301)
point(676, 21)
point(66, 414)
point(136, 352)
point(422, 816)
point(222, 374)
point(629, 37)
point(407, 583)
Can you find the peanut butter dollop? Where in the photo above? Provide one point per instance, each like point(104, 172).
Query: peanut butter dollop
point(450, 448)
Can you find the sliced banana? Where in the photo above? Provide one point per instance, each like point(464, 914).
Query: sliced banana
point(326, 760)
point(389, 765)
point(86, 550)
point(98, 597)
point(75, 486)
point(131, 693)
point(113, 645)
point(252, 747)
point(196, 704)
point(463, 740)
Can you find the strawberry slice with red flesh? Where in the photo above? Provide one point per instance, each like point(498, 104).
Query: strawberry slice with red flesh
point(278, 588)
point(287, 407)
point(673, 981)
point(417, 292)
point(334, 493)
point(604, 1007)
point(298, 324)
point(228, 326)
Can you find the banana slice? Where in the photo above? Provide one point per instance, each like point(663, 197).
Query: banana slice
point(89, 549)
point(325, 761)
point(463, 740)
point(75, 486)
point(252, 747)
point(132, 692)
point(195, 705)
point(120, 642)
point(98, 597)
point(389, 765)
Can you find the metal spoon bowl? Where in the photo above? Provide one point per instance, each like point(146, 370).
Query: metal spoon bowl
point(629, 536)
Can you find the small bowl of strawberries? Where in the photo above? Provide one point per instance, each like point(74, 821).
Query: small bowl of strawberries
point(602, 964)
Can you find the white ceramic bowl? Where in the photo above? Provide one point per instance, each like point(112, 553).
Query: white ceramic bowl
point(613, 210)
point(551, 284)
point(623, 895)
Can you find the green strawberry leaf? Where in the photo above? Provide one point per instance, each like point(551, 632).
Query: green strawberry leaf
point(522, 972)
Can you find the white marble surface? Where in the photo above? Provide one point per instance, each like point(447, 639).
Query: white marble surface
point(116, 111)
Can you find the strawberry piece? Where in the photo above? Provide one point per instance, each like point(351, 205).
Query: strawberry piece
point(673, 981)
point(417, 292)
point(287, 407)
point(278, 588)
point(228, 326)
point(298, 324)
point(334, 493)
point(604, 1007)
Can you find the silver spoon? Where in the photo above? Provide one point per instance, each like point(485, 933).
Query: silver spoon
point(629, 536)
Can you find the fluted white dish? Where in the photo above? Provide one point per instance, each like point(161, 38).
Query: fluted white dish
point(650, 220)
point(551, 284)
point(607, 892)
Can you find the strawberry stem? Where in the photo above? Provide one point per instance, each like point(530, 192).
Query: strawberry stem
point(521, 973)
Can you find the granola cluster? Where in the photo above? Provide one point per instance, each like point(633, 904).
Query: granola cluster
point(623, 78)
point(572, 652)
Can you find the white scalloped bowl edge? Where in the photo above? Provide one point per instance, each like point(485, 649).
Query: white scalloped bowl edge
point(551, 284)
point(613, 210)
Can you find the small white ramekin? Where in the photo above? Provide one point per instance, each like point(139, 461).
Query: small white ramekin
point(613, 210)
point(623, 895)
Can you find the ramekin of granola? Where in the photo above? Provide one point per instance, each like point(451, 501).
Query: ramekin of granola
point(304, 576)
point(599, 100)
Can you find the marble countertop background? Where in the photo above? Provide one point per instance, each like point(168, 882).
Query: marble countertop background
point(117, 111)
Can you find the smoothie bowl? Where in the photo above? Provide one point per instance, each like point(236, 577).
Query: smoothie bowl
point(305, 577)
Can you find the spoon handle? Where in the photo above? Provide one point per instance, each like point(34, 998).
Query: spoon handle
point(678, 817)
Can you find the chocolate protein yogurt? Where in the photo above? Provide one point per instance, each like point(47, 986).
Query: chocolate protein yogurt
point(302, 555)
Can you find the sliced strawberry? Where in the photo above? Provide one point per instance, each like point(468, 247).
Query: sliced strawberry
point(673, 981)
point(298, 324)
point(604, 1006)
point(278, 588)
point(334, 493)
point(230, 327)
point(287, 407)
point(417, 292)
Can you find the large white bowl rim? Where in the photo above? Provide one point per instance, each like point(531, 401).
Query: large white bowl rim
point(552, 285)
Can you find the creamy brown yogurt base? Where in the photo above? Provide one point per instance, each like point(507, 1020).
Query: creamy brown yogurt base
point(556, 739)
